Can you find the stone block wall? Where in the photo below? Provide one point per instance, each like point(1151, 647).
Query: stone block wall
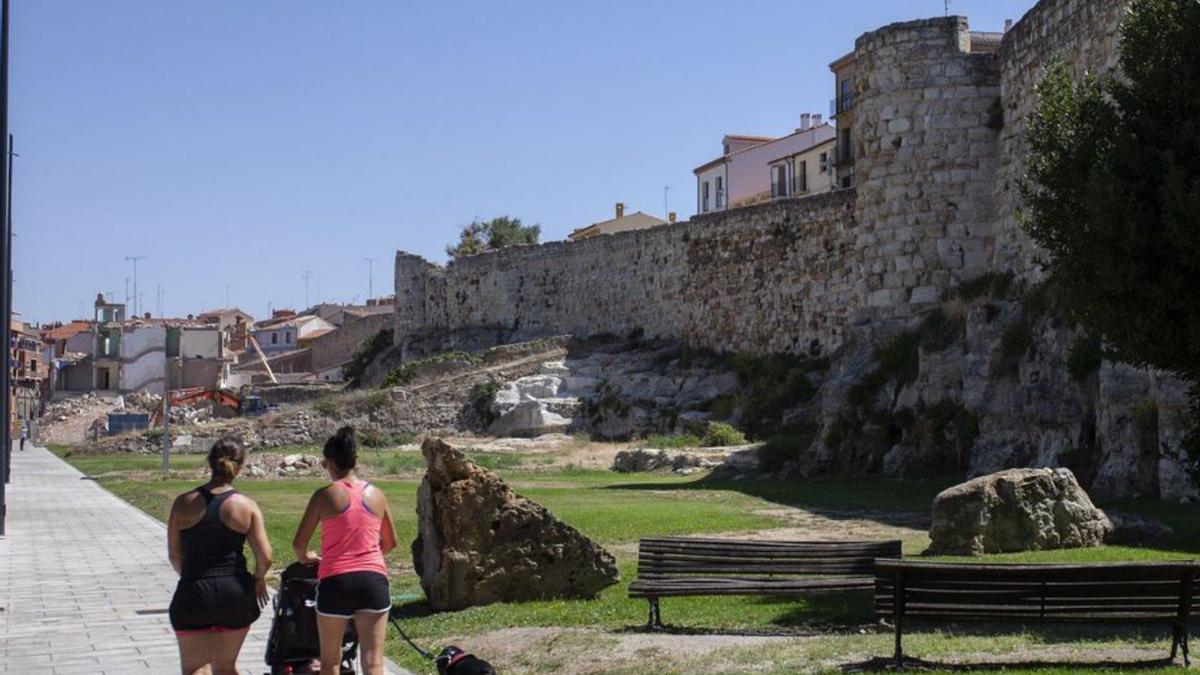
point(777, 277)
point(925, 157)
point(1084, 34)
point(337, 347)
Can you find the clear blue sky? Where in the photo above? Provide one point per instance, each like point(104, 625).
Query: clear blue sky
point(245, 142)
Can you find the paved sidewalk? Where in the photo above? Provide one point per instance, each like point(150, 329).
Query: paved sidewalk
point(85, 581)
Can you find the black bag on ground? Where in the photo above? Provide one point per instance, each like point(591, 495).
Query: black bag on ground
point(294, 645)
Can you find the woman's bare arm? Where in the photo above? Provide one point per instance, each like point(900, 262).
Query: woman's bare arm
point(261, 546)
point(387, 533)
point(174, 541)
point(306, 529)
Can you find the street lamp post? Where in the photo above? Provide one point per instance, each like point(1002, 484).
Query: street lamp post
point(6, 277)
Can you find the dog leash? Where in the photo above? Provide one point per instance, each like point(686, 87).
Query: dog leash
point(395, 619)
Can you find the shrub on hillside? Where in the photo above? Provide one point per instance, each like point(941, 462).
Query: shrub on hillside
point(720, 434)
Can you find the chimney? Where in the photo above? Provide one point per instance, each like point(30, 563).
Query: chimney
point(816, 120)
point(1007, 25)
point(805, 121)
point(671, 217)
point(620, 210)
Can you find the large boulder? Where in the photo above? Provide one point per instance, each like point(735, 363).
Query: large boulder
point(1016, 510)
point(478, 542)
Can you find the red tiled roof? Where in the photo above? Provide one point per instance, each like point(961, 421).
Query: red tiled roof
point(67, 331)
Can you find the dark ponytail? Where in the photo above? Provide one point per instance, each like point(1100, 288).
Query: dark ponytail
point(342, 449)
point(225, 459)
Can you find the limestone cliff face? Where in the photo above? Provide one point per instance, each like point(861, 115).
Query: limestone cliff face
point(995, 384)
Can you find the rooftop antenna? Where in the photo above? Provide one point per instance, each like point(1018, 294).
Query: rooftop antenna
point(666, 203)
point(306, 277)
point(370, 278)
point(134, 259)
point(946, 3)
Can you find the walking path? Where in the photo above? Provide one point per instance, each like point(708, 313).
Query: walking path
point(85, 581)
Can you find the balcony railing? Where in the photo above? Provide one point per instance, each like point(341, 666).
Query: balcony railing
point(841, 104)
point(843, 154)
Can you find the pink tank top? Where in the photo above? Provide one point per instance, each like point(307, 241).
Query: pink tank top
point(350, 540)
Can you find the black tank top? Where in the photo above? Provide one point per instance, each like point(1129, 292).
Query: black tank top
point(210, 549)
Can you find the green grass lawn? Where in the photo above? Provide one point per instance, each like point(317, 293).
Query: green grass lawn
point(617, 509)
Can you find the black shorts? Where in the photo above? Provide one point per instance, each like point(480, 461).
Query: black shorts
point(214, 604)
point(342, 595)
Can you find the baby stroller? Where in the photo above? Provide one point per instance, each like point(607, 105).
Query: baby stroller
point(293, 647)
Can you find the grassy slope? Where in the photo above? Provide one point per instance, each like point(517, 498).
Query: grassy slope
point(616, 510)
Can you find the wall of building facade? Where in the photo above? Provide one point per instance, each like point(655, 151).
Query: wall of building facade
point(143, 359)
point(938, 135)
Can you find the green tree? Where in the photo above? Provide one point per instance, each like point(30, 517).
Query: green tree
point(1112, 191)
point(480, 236)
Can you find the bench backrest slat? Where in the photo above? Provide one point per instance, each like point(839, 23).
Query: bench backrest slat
point(673, 556)
point(1103, 592)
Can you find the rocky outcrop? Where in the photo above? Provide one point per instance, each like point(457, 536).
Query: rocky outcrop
point(641, 460)
point(478, 542)
point(614, 392)
point(1016, 510)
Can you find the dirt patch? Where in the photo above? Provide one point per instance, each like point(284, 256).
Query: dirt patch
point(805, 523)
point(587, 650)
point(584, 650)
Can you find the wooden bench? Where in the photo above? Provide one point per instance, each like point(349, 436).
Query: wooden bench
point(679, 566)
point(1125, 593)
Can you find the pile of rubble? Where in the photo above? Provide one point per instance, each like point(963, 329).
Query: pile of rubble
point(197, 413)
point(67, 408)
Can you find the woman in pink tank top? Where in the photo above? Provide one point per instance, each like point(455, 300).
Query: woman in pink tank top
point(356, 532)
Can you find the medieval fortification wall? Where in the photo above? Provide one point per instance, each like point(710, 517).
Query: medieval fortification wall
point(939, 135)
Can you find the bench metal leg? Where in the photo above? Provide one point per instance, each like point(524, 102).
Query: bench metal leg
point(899, 655)
point(655, 620)
point(1174, 641)
point(1187, 659)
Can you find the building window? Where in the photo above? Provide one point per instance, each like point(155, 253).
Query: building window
point(845, 99)
point(824, 162)
point(274, 338)
point(720, 191)
point(845, 148)
point(704, 198)
point(288, 335)
point(802, 174)
point(726, 148)
point(779, 180)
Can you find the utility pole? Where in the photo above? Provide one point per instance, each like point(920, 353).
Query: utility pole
point(5, 306)
point(946, 3)
point(307, 277)
point(166, 447)
point(370, 277)
point(666, 202)
point(134, 259)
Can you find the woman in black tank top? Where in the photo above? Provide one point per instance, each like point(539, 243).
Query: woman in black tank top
point(217, 598)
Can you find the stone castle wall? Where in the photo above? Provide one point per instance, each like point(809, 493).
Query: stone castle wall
point(939, 141)
point(1083, 33)
point(925, 157)
point(777, 277)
